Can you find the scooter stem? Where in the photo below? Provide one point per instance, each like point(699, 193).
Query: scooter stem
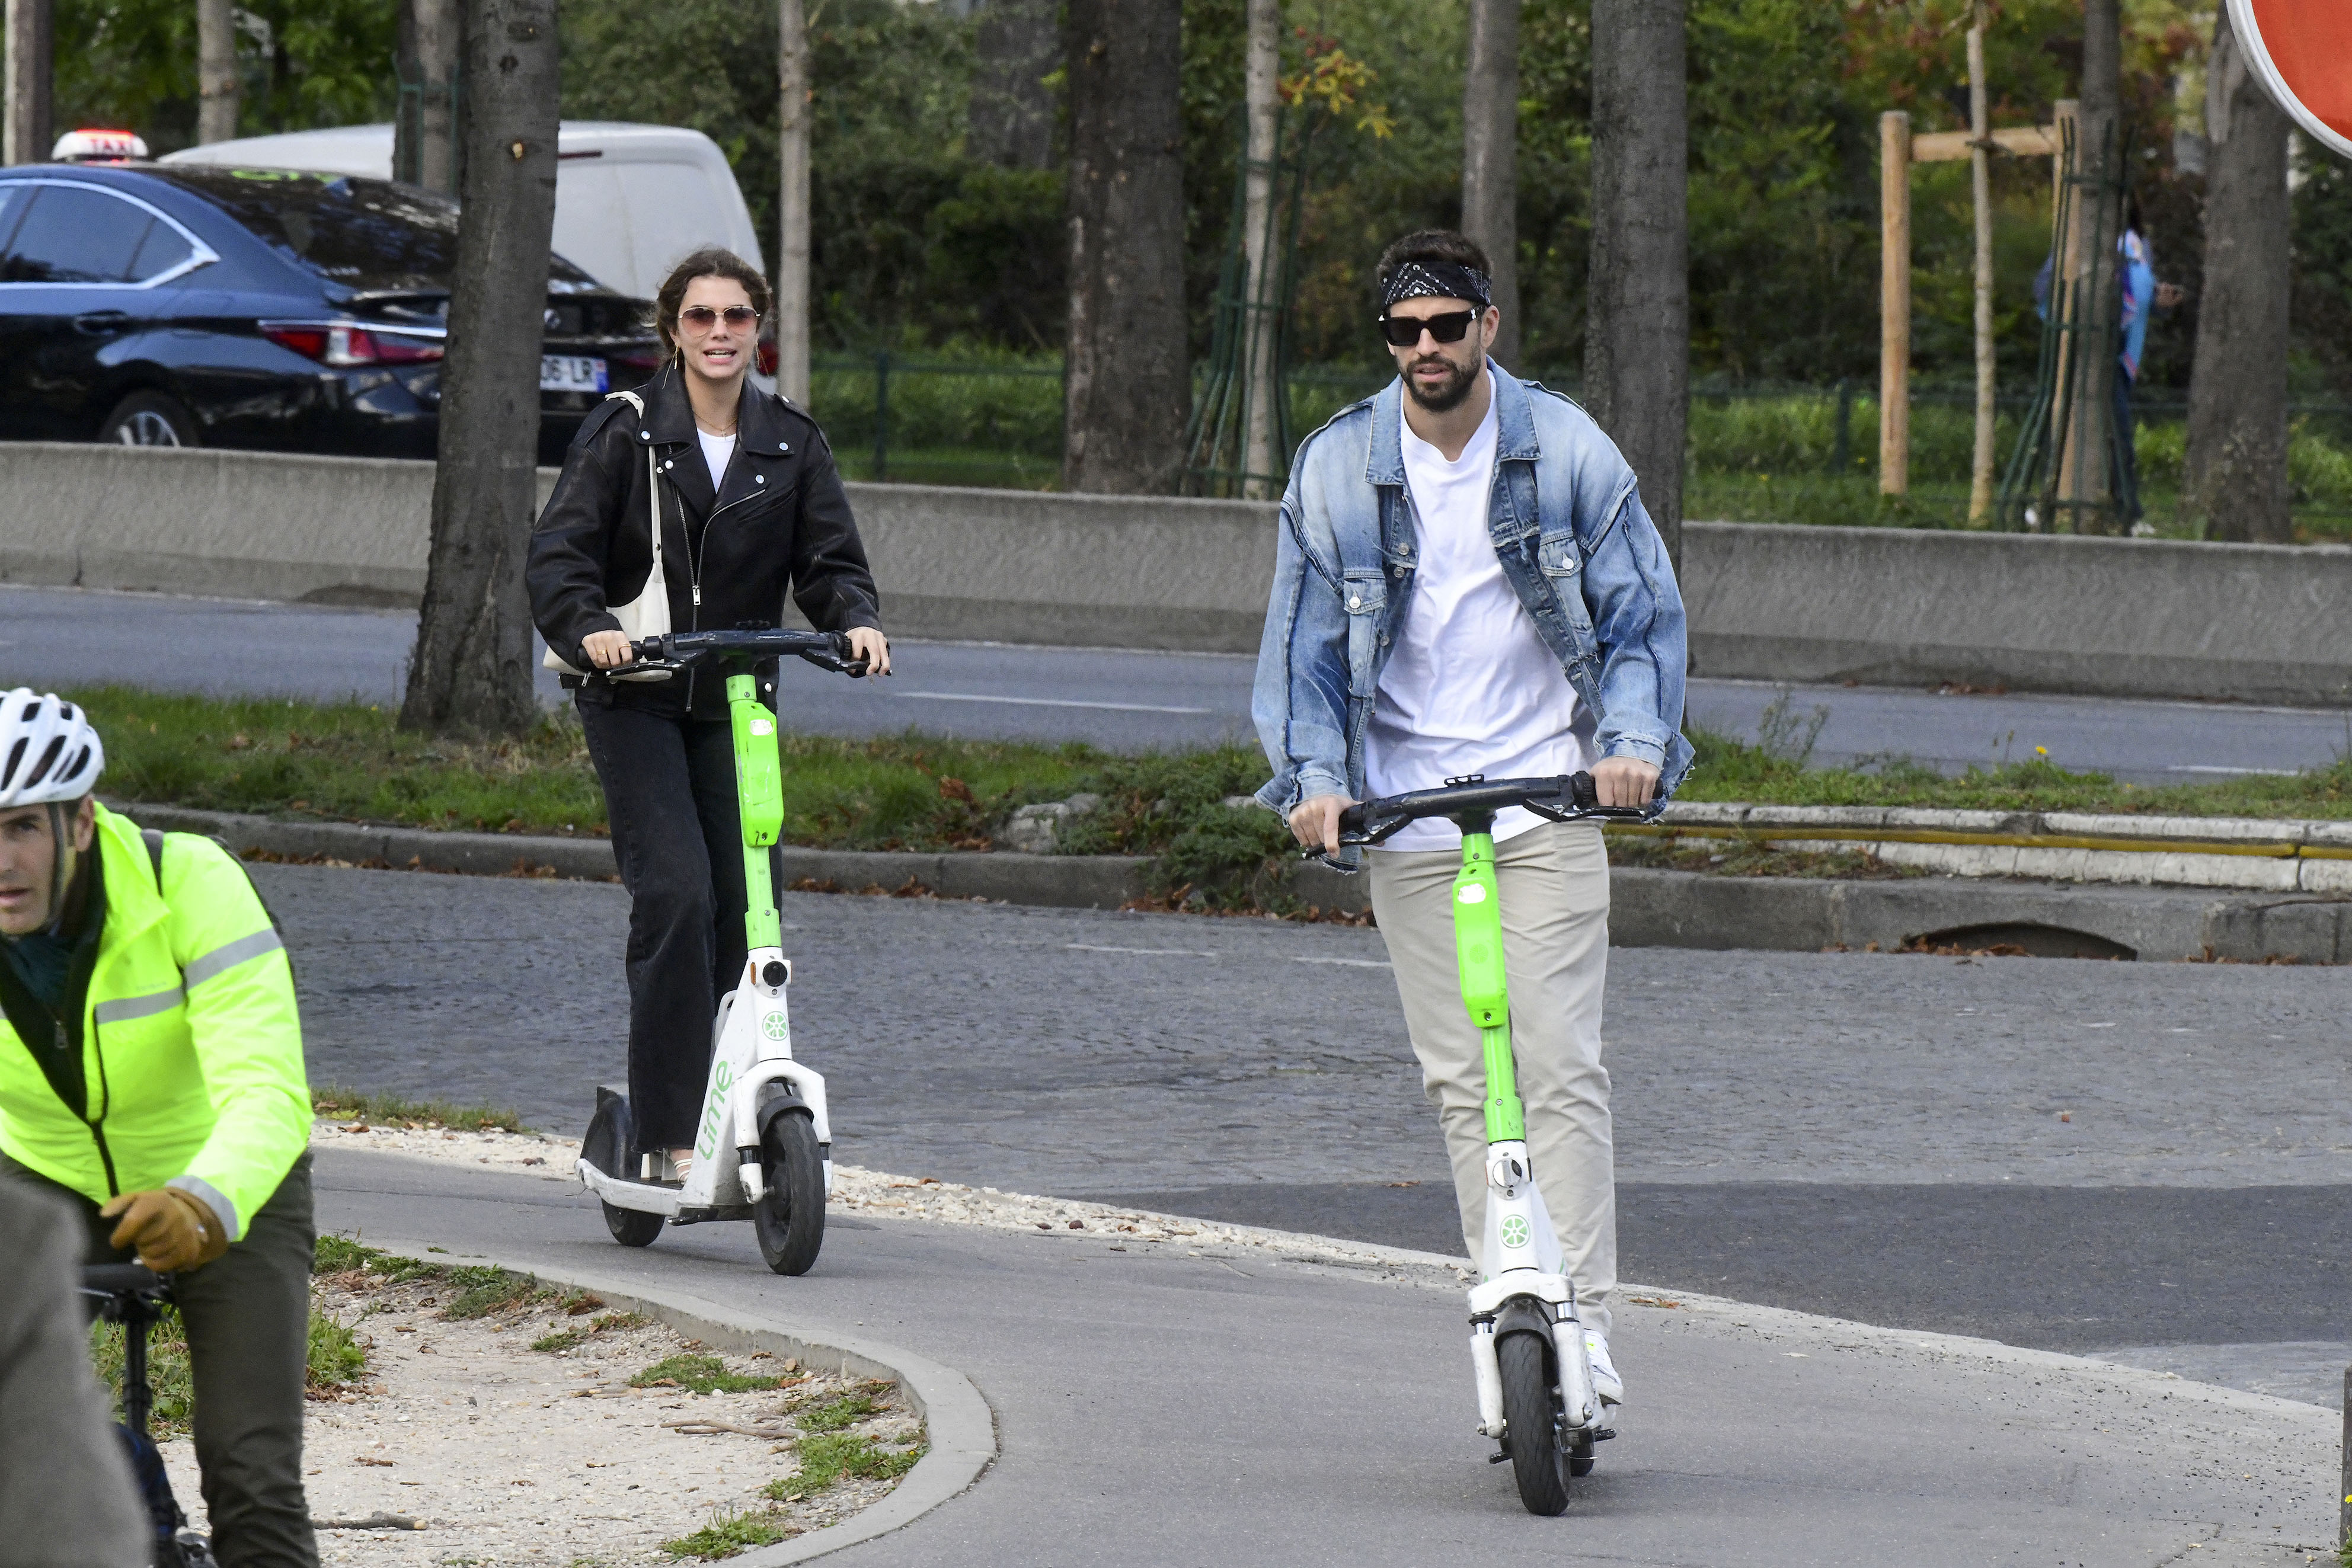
point(759, 800)
point(1478, 948)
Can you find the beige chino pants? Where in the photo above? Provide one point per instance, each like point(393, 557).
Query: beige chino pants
point(1553, 880)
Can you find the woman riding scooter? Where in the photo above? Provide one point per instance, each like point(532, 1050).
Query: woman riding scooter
point(750, 505)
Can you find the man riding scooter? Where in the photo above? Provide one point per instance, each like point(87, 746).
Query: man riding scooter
point(150, 1071)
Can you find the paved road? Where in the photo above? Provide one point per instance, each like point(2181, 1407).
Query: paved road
point(1127, 701)
point(1164, 1411)
point(1865, 1135)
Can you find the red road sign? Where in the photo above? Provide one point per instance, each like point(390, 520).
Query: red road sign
point(2302, 50)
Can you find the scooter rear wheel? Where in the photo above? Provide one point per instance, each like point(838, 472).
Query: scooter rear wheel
point(1531, 1418)
point(606, 1147)
point(790, 1216)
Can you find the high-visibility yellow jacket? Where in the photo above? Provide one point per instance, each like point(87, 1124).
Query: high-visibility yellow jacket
point(191, 1047)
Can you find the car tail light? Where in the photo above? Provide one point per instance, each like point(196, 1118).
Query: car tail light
point(647, 359)
point(766, 358)
point(336, 344)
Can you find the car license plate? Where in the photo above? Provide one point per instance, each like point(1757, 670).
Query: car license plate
point(571, 372)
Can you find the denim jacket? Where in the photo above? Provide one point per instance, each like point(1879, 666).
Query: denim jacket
point(1575, 544)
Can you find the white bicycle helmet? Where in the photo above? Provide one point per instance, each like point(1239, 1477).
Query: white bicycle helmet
point(48, 753)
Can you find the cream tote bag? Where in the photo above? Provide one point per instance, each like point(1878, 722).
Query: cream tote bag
point(647, 615)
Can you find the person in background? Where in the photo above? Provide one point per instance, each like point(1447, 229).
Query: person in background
point(2141, 294)
point(152, 1076)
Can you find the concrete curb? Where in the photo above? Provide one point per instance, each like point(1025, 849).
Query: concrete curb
point(1067, 882)
point(1649, 908)
point(959, 1426)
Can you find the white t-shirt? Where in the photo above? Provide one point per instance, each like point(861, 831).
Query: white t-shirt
point(715, 451)
point(1470, 686)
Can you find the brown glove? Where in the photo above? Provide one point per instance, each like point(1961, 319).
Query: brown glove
point(174, 1230)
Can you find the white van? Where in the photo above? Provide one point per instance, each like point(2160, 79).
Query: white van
point(629, 199)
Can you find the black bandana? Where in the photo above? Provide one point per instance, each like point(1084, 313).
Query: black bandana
point(1436, 280)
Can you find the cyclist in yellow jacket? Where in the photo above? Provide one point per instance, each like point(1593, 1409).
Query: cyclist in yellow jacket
point(151, 1069)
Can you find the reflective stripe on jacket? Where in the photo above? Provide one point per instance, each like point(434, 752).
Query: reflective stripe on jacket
point(192, 1047)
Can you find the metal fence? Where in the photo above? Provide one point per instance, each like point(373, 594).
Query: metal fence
point(997, 423)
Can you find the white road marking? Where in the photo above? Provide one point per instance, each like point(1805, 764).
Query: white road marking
point(1147, 952)
point(1049, 702)
point(1351, 963)
point(2210, 767)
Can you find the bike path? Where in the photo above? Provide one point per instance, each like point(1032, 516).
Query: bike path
point(1158, 1407)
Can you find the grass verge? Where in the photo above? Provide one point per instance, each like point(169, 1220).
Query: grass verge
point(732, 1532)
point(345, 1105)
point(699, 1373)
point(926, 793)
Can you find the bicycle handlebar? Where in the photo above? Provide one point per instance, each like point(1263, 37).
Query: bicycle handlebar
point(1568, 797)
point(659, 657)
point(120, 1279)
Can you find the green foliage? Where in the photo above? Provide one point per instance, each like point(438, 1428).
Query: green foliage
point(828, 1459)
point(730, 1532)
point(843, 1410)
point(699, 1373)
point(484, 1290)
point(359, 1104)
point(301, 63)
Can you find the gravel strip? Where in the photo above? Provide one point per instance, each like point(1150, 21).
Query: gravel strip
point(466, 1445)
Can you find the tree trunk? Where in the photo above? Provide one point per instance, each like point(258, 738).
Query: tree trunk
point(2098, 218)
point(425, 136)
point(31, 50)
point(217, 81)
point(1490, 158)
point(472, 671)
point(2237, 471)
point(1126, 388)
point(792, 204)
point(1011, 113)
point(1637, 329)
point(1261, 320)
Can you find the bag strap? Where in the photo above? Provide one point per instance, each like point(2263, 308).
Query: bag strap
point(153, 837)
point(653, 490)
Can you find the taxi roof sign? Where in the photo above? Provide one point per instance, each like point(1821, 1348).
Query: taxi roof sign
point(2302, 51)
point(98, 147)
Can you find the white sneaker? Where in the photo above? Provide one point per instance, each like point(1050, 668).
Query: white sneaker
point(1605, 1381)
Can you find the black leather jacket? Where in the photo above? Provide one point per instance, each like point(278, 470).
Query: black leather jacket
point(780, 520)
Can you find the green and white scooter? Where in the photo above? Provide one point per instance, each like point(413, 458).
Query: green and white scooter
point(764, 1149)
point(1526, 1344)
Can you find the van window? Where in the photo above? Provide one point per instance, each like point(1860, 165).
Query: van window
point(368, 234)
point(75, 234)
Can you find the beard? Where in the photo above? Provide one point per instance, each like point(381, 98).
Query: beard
point(1450, 394)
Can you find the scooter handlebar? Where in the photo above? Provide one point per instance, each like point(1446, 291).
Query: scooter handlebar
point(1566, 798)
point(659, 657)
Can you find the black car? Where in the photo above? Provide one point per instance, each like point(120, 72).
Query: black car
point(182, 306)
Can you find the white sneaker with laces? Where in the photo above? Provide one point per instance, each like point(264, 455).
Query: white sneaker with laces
point(1605, 1381)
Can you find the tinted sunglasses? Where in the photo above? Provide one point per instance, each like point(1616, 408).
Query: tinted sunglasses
point(1404, 331)
point(702, 318)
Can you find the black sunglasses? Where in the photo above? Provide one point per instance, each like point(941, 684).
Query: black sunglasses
point(1404, 331)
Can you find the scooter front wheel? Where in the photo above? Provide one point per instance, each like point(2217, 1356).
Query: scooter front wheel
point(1531, 1420)
point(790, 1216)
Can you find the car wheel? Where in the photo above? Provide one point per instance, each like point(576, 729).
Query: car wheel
point(150, 419)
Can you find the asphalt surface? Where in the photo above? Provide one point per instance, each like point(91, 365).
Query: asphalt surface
point(1133, 701)
point(1165, 1409)
point(2056, 1153)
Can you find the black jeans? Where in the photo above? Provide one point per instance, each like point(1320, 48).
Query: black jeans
point(669, 792)
point(247, 1315)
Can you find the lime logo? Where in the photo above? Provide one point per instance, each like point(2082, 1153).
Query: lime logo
point(762, 727)
point(1515, 1233)
point(774, 1027)
point(1474, 893)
